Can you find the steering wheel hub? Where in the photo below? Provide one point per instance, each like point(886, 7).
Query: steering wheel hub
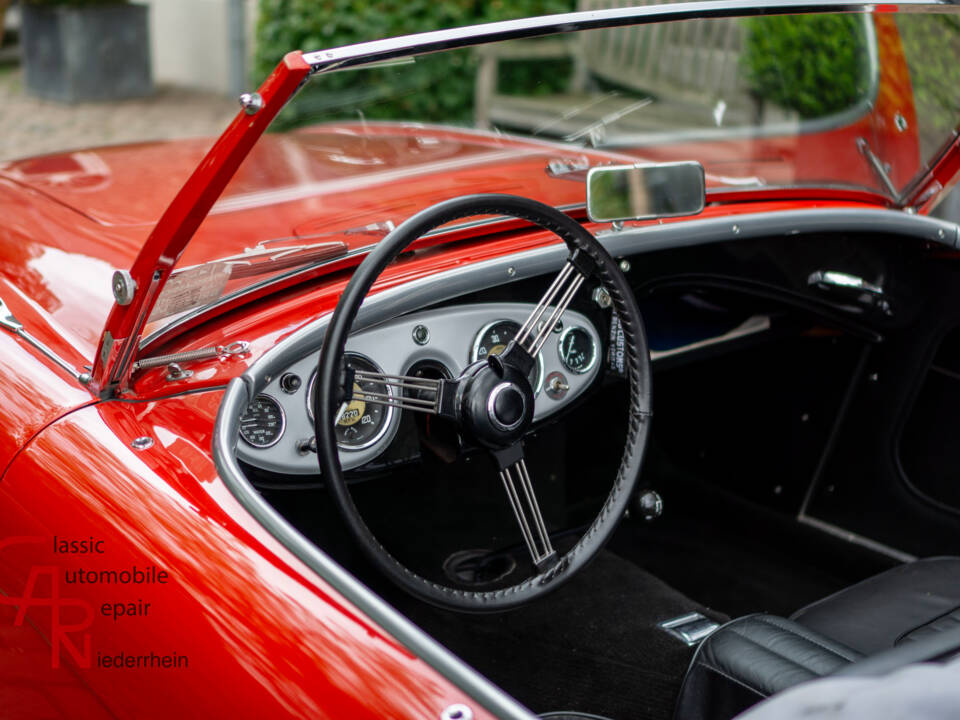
point(506, 406)
point(496, 405)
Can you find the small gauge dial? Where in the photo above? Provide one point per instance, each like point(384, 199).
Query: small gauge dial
point(578, 351)
point(362, 423)
point(262, 423)
point(493, 340)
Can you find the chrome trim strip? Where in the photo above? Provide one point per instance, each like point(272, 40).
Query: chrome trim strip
point(852, 537)
point(339, 58)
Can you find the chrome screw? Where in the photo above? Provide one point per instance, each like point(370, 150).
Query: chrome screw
point(625, 265)
point(142, 443)
point(252, 103)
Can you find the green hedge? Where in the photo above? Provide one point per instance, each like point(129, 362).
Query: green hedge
point(813, 64)
point(286, 25)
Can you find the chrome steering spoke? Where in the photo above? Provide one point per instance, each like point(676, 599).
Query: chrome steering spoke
point(535, 331)
point(399, 391)
point(526, 508)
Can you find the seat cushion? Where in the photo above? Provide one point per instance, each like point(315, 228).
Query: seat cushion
point(749, 659)
point(908, 602)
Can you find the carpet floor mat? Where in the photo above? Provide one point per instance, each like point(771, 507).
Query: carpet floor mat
point(593, 645)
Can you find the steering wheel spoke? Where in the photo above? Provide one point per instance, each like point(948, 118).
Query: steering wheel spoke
point(492, 404)
point(554, 303)
point(406, 392)
point(525, 506)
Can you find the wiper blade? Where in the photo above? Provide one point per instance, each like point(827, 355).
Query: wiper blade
point(595, 131)
point(268, 256)
point(876, 164)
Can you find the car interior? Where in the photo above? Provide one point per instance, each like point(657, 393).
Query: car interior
point(790, 385)
point(796, 468)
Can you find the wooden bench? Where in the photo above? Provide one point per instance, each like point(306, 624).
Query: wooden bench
point(630, 80)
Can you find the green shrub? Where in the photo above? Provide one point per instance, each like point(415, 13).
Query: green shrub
point(308, 25)
point(813, 64)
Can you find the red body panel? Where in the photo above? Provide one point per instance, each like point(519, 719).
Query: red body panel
point(264, 637)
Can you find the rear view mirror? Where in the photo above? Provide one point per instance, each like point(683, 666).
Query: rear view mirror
point(643, 191)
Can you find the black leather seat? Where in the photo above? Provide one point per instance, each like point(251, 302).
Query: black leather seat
point(753, 657)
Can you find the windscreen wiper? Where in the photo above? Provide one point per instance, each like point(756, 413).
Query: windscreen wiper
point(876, 164)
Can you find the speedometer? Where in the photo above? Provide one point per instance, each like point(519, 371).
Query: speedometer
point(361, 423)
point(493, 340)
point(262, 423)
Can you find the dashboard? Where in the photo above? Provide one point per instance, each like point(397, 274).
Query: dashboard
point(276, 429)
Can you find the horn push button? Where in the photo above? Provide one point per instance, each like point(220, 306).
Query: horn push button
point(506, 406)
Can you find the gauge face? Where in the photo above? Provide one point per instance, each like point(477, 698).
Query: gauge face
point(362, 423)
point(262, 423)
point(493, 340)
point(578, 351)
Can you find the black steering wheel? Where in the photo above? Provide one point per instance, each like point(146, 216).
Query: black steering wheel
point(492, 402)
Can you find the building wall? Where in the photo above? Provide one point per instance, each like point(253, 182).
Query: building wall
point(193, 43)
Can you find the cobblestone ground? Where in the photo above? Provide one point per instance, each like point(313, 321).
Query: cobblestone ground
point(29, 126)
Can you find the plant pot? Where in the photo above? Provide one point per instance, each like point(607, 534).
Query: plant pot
point(73, 54)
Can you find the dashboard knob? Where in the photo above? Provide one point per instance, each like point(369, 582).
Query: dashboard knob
point(648, 504)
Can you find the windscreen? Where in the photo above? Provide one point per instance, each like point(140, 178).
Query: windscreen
point(857, 101)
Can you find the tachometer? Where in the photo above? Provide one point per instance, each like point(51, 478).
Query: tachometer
point(262, 423)
point(578, 351)
point(493, 340)
point(362, 423)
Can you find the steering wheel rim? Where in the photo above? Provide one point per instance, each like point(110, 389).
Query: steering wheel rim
point(587, 255)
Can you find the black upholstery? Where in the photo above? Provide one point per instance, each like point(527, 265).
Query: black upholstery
point(751, 658)
point(906, 602)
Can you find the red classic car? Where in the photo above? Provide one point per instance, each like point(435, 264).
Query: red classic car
point(346, 419)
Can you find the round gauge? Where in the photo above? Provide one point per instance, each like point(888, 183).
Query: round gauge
point(493, 340)
point(262, 423)
point(578, 351)
point(362, 423)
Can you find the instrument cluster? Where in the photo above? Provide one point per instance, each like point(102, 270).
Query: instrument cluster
point(277, 428)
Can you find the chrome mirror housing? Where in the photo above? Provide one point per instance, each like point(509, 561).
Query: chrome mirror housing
point(644, 191)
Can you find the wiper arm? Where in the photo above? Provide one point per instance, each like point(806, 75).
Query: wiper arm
point(876, 164)
point(573, 112)
point(264, 258)
point(596, 130)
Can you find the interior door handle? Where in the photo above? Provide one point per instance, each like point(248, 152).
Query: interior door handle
point(835, 280)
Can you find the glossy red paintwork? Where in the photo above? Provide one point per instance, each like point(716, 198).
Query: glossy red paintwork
point(265, 636)
point(178, 223)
